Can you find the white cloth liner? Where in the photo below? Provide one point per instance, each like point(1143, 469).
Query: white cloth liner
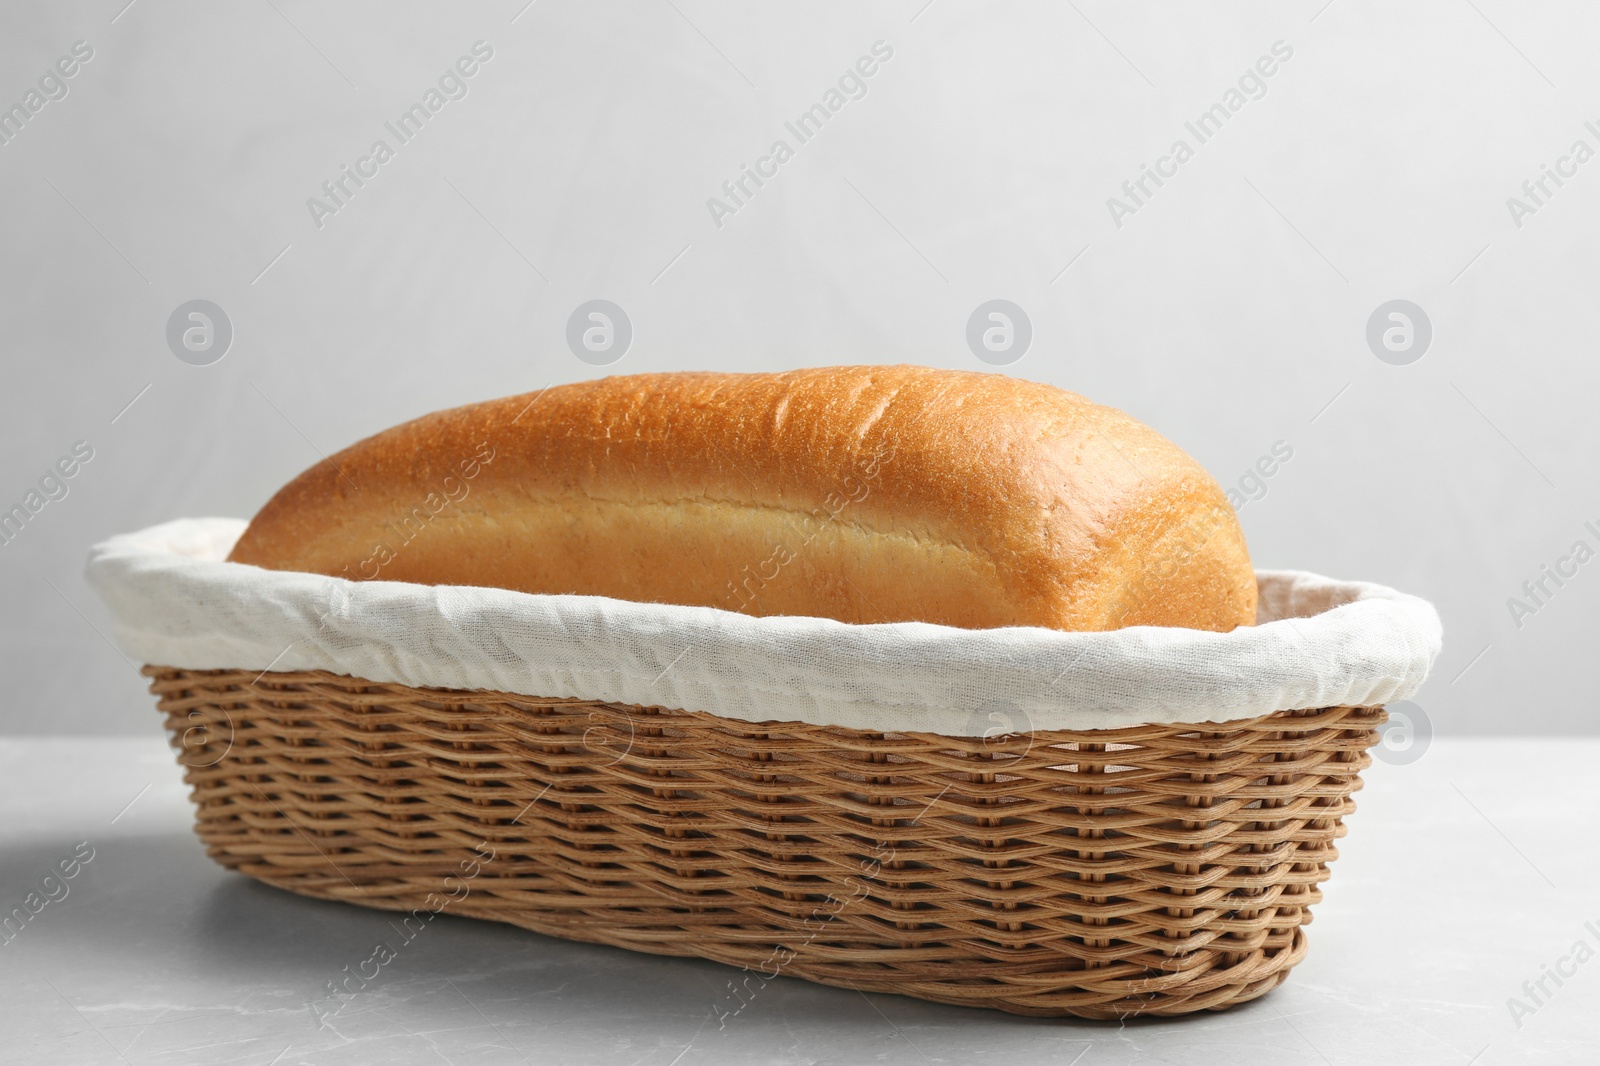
point(1319, 643)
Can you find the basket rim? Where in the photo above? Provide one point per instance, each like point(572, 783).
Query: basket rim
point(1319, 642)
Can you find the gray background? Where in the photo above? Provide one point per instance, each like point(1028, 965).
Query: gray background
point(1229, 312)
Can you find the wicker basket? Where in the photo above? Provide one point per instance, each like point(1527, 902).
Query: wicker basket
point(1152, 870)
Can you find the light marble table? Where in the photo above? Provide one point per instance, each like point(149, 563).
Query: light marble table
point(1458, 882)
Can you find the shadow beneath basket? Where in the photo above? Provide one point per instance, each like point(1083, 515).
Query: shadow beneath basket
point(522, 978)
point(166, 950)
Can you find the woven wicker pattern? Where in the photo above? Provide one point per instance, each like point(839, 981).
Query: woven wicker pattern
point(1152, 870)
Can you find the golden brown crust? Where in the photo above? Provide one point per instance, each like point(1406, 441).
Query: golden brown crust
point(865, 494)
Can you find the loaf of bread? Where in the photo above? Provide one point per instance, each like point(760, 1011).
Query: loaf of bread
point(859, 493)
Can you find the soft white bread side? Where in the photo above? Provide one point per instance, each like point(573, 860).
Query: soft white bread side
point(864, 494)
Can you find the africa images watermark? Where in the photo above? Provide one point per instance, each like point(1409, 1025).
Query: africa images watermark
point(1536, 191)
point(413, 524)
point(852, 85)
point(746, 588)
point(1252, 85)
point(1536, 992)
point(342, 990)
point(1252, 484)
point(53, 86)
point(1537, 591)
point(52, 889)
point(452, 85)
point(1180, 546)
point(52, 488)
point(815, 924)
